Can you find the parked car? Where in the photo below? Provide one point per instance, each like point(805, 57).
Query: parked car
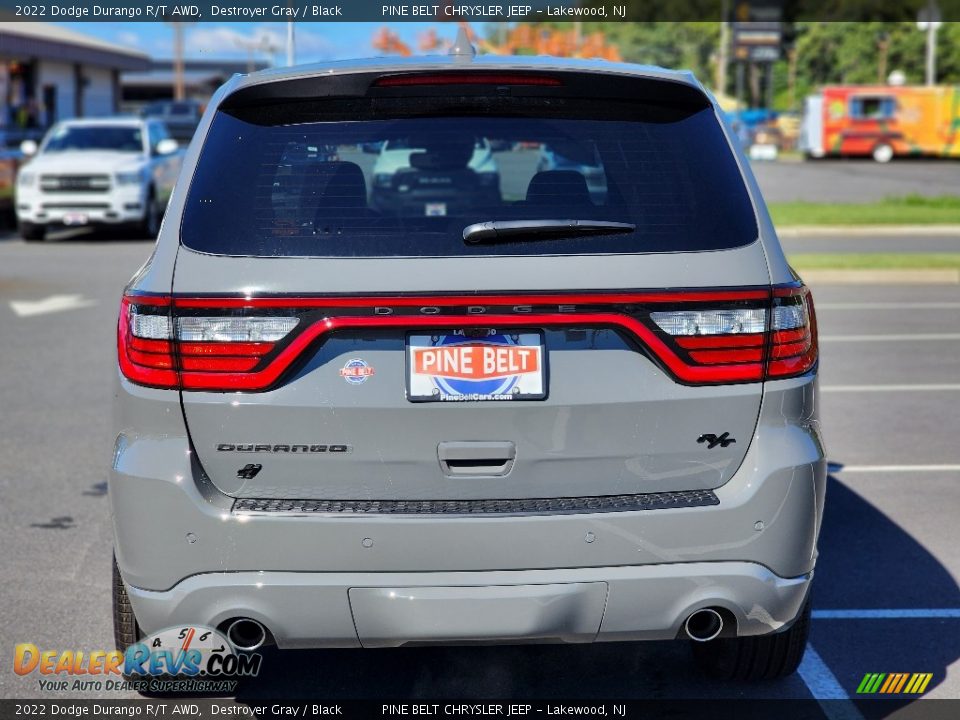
point(180, 116)
point(474, 419)
point(114, 172)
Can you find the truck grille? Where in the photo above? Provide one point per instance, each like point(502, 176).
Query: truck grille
point(522, 506)
point(75, 183)
point(74, 206)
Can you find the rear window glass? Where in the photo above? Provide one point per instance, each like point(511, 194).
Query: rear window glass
point(325, 184)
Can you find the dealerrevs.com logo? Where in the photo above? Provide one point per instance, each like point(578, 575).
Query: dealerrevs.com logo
point(192, 658)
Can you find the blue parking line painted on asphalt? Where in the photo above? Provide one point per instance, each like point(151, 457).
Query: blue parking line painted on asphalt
point(886, 614)
point(824, 686)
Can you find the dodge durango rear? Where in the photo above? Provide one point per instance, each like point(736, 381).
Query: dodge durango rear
point(510, 339)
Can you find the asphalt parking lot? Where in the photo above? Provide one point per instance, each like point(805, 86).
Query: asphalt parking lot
point(855, 180)
point(886, 596)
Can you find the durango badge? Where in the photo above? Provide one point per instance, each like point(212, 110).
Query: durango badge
point(356, 371)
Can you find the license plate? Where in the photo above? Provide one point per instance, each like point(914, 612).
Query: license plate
point(75, 219)
point(469, 365)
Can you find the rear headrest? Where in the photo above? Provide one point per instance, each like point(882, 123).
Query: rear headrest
point(558, 187)
point(338, 185)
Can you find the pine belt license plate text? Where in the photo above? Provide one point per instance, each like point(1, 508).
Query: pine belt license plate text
point(467, 365)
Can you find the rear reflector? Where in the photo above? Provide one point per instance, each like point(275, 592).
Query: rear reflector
point(698, 337)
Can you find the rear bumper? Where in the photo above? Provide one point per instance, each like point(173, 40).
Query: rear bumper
point(391, 609)
point(187, 555)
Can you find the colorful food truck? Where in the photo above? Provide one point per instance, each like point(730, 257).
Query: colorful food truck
point(882, 121)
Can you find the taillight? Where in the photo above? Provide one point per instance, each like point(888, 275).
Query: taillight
point(775, 339)
point(793, 333)
point(144, 342)
point(160, 349)
point(698, 336)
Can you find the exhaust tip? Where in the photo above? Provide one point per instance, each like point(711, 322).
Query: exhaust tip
point(703, 625)
point(246, 634)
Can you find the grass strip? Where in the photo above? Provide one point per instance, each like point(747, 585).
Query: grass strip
point(907, 210)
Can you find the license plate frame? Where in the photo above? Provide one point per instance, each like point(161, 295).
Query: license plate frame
point(72, 219)
point(441, 387)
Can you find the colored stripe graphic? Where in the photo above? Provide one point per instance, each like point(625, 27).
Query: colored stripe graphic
point(894, 683)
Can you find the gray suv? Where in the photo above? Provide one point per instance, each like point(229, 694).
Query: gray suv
point(538, 414)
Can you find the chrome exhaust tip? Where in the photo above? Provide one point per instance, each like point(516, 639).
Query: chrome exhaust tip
point(246, 634)
point(703, 625)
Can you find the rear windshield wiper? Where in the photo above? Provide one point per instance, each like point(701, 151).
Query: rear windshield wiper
point(533, 230)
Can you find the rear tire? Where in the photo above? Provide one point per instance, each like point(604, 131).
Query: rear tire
point(126, 631)
point(31, 232)
point(764, 657)
point(150, 225)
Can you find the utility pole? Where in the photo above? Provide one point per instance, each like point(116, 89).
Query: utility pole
point(883, 50)
point(721, 76)
point(929, 21)
point(291, 52)
point(792, 76)
point(179, 86)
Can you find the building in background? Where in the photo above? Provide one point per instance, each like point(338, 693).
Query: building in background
point(49, 73)
point(201, 78)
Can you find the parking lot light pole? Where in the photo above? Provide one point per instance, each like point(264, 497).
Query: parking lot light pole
point(291, 53)
point(929, 21)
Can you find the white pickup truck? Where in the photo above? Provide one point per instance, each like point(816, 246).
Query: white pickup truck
point(115, 172)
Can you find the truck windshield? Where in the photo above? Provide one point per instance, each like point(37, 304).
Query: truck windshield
point(119, 138)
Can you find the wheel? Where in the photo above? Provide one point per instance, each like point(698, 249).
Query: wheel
point(126, 631)
point(31, 232)
point(764, 657)
point(883, 153)
point(150, 225)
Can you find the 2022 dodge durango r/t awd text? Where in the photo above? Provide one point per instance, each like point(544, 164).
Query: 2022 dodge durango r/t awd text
point(542, 414)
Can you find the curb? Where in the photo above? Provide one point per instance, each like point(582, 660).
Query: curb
point(795, 231)
point(881, 277)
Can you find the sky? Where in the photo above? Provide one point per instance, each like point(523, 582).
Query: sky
point(314, 41)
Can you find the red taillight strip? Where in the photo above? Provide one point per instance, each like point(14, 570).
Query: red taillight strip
point(258, 349)
point(473, 78)
point(229, 366)
point(151, 360)
point(463, 300)
point(219, 364)
point(716, 357)
point(150, 346)
point(697, 342)
point(270, 374)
